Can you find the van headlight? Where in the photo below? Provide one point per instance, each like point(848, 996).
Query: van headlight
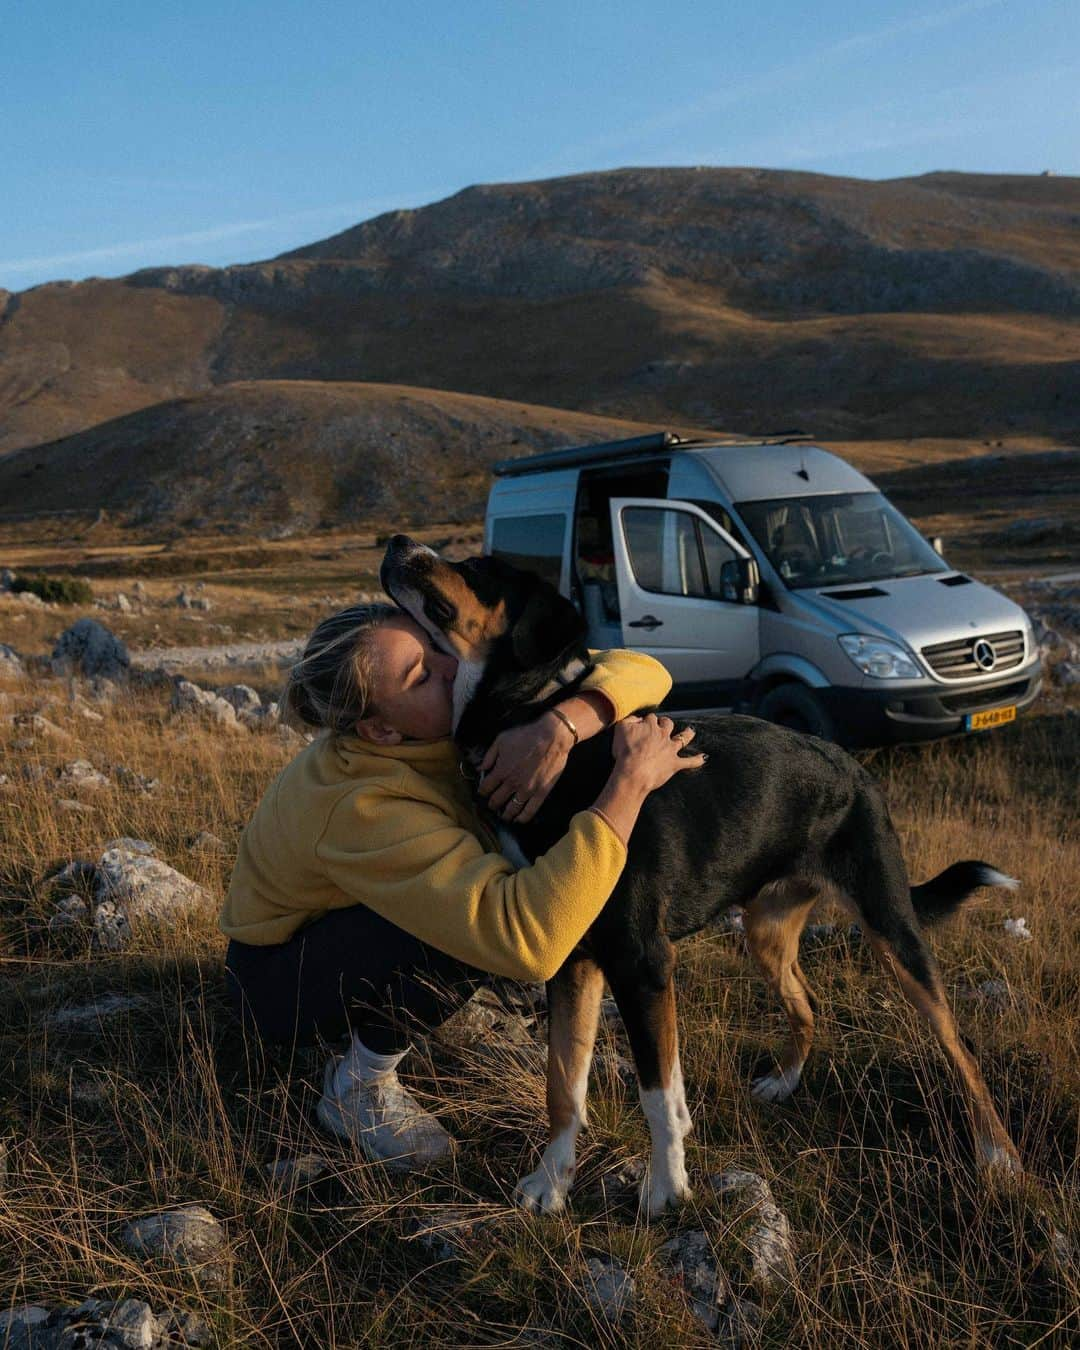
point(879, 657)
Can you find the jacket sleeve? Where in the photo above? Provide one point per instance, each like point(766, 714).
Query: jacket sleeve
point(409, 862)
point(628, 680)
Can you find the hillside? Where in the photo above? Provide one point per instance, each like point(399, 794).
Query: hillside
point(288, 454)
point(946, 305)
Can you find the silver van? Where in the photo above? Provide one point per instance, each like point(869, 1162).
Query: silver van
point(768, 577)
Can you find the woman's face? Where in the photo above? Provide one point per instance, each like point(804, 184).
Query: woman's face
point(413, 685)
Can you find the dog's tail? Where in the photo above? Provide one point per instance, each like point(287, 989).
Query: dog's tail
point(944, 894)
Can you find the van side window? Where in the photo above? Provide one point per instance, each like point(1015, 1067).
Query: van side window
point(534, 543)
point(673, 553)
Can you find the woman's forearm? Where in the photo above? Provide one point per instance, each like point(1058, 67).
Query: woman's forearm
point(621, 801)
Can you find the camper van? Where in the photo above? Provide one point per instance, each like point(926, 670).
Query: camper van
point(769, 577)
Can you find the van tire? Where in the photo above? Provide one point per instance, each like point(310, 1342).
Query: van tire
point(793, 705)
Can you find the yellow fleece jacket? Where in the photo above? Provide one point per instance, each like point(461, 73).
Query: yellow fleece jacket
point(395, 828)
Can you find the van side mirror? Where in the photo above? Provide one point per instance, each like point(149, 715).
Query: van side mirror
point(938, 545)
point(739, 581)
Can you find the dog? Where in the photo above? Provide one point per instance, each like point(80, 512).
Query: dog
point(774, 821)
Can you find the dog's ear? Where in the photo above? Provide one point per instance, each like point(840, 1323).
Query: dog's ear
point(545, 628)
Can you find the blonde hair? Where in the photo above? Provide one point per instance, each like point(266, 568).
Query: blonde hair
point(330, 687)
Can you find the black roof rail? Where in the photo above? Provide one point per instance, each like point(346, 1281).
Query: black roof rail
point(656, 442)
point(587, 454)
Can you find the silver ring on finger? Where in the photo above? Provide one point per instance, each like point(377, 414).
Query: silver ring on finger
point(516, 799)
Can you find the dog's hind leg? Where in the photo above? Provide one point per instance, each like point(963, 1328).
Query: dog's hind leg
point(774, 921)
point(905, 954)
point(573, 1016)
point(648, 1013)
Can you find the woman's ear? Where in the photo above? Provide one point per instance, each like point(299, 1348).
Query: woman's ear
point(375, 730)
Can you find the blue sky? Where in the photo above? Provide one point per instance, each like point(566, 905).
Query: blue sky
point(141, 133)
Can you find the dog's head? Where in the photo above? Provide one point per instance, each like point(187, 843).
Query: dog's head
point(490, 615)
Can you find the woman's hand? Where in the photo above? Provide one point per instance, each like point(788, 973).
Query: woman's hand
point(523, 765)
point(648, 750)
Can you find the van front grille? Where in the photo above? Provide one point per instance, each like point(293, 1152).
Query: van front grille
point(970, 658)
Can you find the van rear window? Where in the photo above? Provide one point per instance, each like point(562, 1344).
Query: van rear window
point(534, 543)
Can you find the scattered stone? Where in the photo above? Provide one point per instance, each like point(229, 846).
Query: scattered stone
point(189, 1236)
point(41, 726)
point(696, 1272)
point(70, 912)
point(139, 589)
point(447, 1234)
point(293, 1173)
point(189, 698)
point(108, 1005)
point(11, 666)
point(111, 928)
point(205, 842)
point(87, 713)
point(81, 775)
point(1017, 928)
point(7, 578)
point(131, 845)
point(623, 1182)
point(145, 887)
point(483, 1021)
point(30, 600)
point(183, 599)
point(242, 697)
point(772, 1251)
point(73, 807)
point(88, 648)
point(123, 604)
point(129, 1323)
point(994, 994)
point(135, 781)
point(616, 1068)
point(608, 1289)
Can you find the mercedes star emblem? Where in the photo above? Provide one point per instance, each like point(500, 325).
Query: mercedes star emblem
point(984, 655)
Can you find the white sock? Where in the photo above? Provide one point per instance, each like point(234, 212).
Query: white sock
point(361, 1065)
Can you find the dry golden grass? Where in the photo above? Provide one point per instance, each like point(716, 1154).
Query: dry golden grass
point(900, 1242)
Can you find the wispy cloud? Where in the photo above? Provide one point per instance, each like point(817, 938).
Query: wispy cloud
point(343, 213)
point(571, 158)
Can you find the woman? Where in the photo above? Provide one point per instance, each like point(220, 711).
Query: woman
point(365, 878)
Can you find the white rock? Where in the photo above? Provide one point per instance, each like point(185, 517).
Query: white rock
point(704, 1283)
point(133, 1325)
point(1017, 928)
point(772, 1250)
point(130, 845)
point(190, 1236)
point(608, 1289)
point(189, 698)
point(70, 912)
point(73, 807)
point(145, 887)
point(123, 604)
point(241, 696)
point(81, 775)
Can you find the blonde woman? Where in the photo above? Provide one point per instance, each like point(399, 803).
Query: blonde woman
point(366, 883)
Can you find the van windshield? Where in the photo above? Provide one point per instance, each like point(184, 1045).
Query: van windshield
point(837, 539)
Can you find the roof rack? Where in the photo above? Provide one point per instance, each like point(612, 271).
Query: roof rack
point(631, 447)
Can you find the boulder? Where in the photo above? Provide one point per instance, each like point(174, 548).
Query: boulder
point(189, 1236)
point(88, 648)
point(144, 887)
point(7, 578)
point(697, 1273)
point(81, 776)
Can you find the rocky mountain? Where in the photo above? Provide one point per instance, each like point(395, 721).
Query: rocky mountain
point(288, 455)
point(946, 305)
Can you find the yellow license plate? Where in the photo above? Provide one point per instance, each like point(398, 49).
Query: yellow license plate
point(992, 717)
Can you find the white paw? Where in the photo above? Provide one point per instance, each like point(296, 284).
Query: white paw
point(777, 1086)
point(662, 1193)
point(542, 1193)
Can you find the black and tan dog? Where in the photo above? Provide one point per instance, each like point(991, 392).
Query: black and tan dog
point(773, 822)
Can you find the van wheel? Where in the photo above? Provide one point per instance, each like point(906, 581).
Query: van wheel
point(795, 706)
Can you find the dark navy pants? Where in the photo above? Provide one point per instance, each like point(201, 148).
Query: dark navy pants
point(348, 971)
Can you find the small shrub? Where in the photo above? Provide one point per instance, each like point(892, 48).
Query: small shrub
point(56, 590)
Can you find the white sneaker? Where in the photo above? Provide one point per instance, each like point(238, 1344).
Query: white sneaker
point(387, 1123)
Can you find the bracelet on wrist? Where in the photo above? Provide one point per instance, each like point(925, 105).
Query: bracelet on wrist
point(567, 723)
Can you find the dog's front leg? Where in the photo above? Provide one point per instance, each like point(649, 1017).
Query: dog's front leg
point(573, 1015)
point(649, 1016)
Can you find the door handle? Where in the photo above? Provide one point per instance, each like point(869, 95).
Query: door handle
point(647, 621)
